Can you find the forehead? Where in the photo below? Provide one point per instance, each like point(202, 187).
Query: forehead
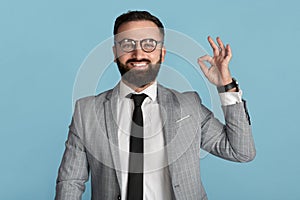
point(138, 30)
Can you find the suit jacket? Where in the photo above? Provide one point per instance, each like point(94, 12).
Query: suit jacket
point(92, 144)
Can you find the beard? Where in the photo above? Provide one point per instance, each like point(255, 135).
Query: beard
point(136, 77)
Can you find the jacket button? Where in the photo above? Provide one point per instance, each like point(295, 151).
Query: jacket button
point(119, 197)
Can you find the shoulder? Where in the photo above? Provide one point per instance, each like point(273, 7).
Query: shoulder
point(186, 96)
point(91, 101)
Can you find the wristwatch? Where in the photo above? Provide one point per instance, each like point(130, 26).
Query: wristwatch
point(225, 88)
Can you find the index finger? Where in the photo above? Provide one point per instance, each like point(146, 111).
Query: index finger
point(213, 46)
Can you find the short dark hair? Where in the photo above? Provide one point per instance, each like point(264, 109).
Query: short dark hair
point(138, 16)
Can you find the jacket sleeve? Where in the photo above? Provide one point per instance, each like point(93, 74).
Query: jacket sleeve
point(73, 171)
point(232, 140)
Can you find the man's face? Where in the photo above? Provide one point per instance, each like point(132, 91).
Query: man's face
point(138, 67)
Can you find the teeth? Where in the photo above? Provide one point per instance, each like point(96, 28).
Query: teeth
point(139, 64)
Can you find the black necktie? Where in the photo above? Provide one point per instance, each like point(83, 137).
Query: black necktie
point(136, 147)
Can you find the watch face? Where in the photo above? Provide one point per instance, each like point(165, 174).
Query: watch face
point(236, 82)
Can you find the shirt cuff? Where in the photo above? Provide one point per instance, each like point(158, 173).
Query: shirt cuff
point(230, 98)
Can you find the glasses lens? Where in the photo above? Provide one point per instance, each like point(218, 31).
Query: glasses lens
point(148, 45)
point(127, 45)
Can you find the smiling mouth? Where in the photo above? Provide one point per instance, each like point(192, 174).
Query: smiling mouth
point(139, 65)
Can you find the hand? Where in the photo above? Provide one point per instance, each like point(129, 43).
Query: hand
point(218, 73)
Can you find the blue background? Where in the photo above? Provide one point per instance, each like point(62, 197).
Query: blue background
point(43, 44)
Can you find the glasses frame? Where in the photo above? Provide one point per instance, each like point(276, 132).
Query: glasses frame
point(140, 42)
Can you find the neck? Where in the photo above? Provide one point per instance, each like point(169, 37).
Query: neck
point(137, 89)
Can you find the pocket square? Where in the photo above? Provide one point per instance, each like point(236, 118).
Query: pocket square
point(183, 118)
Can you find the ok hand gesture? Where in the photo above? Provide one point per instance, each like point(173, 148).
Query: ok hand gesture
point(218, 72)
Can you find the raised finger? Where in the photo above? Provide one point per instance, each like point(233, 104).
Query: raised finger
point(228, 53)
point(213, 45)
point(221, 47)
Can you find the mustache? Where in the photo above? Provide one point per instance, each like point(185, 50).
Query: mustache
point(136, 60)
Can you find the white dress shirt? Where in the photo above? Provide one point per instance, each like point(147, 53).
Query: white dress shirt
point(156, 176)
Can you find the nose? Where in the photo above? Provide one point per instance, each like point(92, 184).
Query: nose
point(138, 52)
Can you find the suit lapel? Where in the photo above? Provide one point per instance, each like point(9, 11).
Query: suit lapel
point(170, 112)
point(180, 129)
point(110, 107)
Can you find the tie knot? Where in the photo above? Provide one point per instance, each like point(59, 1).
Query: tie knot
point(138, 99)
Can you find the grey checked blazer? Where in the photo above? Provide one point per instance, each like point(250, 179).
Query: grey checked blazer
point(92, 144)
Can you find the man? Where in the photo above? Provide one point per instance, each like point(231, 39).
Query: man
point(141, 140)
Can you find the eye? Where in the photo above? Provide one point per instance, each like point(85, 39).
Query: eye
point(149, 44)
point(127, 45)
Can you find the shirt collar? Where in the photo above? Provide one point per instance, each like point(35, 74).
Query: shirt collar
point(151, 91)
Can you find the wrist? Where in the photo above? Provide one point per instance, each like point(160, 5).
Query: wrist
point(233, 90)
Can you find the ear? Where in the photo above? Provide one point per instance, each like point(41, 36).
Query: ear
point(163, 53)
point(115, 53)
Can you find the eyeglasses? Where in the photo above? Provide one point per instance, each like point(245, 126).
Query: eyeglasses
point(147, 45)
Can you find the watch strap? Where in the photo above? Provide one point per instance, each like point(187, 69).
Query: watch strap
point(225, 88)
